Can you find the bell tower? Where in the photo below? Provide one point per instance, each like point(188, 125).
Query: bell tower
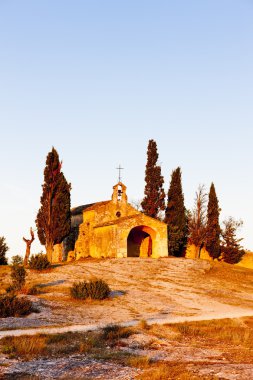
point(119, 194)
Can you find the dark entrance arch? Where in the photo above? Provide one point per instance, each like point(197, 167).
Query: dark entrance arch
point(139, 241)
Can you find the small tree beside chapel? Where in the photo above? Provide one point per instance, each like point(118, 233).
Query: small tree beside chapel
point(153, 201)
point(231, 249)
point(175, 216)
point(53, 219)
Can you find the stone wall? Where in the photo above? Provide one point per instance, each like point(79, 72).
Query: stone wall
point(192, 253)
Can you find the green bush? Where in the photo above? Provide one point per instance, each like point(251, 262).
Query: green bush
point(39, 262)
point(17, 260)
point(95, 289)
point(18, 275)
point(11, 306)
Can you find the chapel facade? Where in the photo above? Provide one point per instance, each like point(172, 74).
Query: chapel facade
point(113, 229)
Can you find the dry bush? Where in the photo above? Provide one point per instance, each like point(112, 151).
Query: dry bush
point(116, 332)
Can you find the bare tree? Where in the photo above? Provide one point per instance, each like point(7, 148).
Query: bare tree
point(197, 220)
point(136, 203)
point(28, 246)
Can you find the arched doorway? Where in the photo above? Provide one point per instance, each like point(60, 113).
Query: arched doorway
point(139, 241)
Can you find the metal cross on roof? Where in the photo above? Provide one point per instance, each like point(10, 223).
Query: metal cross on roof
point(119, 169)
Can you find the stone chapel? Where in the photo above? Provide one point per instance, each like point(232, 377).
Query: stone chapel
point(112, 228)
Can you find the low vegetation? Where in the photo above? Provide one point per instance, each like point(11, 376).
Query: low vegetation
point(94, 289)
point(39, 262)
point(12, 306)
point(226, 331)
point(17, 260)
point(170, 371)
point(94, 344)
point(108, 344)
point(18, 275)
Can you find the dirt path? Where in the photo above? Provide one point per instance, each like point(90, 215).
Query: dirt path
point(229, 313)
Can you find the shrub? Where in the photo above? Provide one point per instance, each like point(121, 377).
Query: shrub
point(33, 290)
point(30, 290)
point(17, 260)
point(18, 275)
point(11, 306)
point(95, 289)
point(115, 332)
point(232, 255)
point(39, 262)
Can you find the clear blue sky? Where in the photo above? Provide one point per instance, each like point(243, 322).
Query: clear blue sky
point(98, 79)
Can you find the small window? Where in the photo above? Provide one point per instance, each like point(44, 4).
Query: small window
point(118, 214)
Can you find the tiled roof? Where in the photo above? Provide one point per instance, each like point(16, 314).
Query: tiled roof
point(79, 209)
point(96, 205)
point(91, 206)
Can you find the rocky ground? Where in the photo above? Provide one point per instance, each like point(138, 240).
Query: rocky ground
point(158, 291)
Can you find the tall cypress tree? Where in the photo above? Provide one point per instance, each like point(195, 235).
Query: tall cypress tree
point(213, 229)
point(53, 218)
point(153, 201)
point(175, 216)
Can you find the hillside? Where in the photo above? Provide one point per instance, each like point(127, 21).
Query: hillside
point(171, 289)
point(168, 290)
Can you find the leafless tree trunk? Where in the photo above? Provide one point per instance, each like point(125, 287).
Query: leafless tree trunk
point(28, 247)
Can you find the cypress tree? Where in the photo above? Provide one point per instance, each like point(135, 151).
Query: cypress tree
point(213, 228)
point(3, 249)
point(53, 218)
point(153, 201)
point(175, 216)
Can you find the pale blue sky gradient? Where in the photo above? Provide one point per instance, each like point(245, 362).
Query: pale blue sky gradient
point(98, 79)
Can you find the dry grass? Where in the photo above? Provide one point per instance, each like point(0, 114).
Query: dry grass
point(226, 331)
point(234, 337)
point(139, 361)
point(26, 346)
point(170, 371)
point(92, 343)
point(143, 325)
